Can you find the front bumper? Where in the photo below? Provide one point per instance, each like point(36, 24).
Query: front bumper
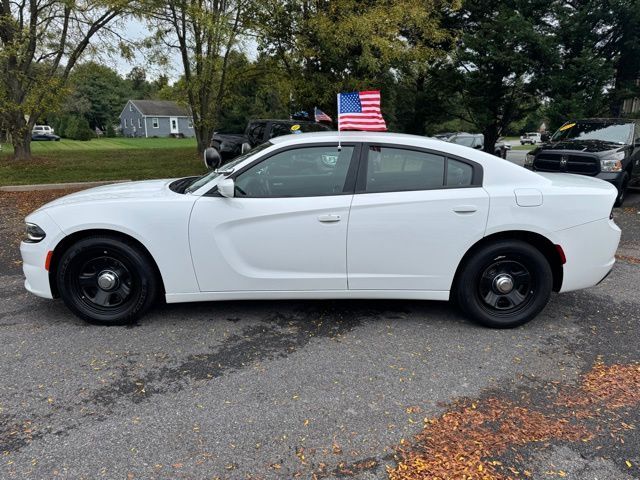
point(615, 178)
point(34, 255)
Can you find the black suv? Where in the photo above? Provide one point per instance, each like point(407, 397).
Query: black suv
point(606, 148)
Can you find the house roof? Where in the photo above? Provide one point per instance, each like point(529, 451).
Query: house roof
point(163, 108)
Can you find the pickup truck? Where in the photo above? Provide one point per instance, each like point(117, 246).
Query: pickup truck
point(604, 148)
point(530, 137)
point(230, 145)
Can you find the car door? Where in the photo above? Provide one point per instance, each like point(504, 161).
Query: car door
point(414, 215)
point(286, 228)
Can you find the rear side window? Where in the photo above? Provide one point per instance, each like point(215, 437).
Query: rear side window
point(391, 169)
point(395, 169)
point(459, 174)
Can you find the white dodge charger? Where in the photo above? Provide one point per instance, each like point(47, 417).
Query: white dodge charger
point(382, 216)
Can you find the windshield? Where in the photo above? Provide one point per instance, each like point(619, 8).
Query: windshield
point(606, 132)
point(466, 141)
point(228, 167)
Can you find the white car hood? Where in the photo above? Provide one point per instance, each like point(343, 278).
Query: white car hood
point(119, 191)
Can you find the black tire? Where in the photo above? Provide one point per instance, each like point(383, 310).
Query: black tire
point(476, 289)
point(129, 275)
point(215, 145)
point(622, 191)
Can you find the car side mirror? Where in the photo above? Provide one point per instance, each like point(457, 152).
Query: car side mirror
point(212, 158)
point(477, 147)
point(227, 187)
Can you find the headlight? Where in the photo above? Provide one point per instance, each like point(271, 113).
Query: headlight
point(34, 233)
point(612, 163)
point(528, 159)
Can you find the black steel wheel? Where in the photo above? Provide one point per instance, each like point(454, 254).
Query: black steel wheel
point(504, 284)
point(106, 280)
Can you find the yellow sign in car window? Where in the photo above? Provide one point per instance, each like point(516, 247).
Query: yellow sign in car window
point(567, 126)
point(295, 128)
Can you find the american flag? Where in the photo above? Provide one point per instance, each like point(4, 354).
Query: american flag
point(320, 116)
point(360, 111)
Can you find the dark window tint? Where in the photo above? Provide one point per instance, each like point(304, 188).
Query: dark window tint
point(300, 172)
point(459, 174)
point(394, 169)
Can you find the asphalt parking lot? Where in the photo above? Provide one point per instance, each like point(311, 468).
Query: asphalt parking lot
point(321, 389)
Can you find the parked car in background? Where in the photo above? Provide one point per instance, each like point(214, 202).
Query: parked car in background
point(605, 148)
point(39, 129)
point(445, 136)
point(531, 138)
point(476, 140)
point(44, 137)
point(387, 216)
point(230, 145)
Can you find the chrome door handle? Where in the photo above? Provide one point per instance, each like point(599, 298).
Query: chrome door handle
point(465, 209)
point(329, 218)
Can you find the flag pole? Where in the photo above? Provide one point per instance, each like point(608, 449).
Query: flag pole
point(339, 144)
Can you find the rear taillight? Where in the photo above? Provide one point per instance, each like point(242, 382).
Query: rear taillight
point(563, 257)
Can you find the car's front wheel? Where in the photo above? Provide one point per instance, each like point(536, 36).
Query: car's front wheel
point(504, 284)
point(106, 280)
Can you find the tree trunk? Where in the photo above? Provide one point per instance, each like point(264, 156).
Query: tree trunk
point(21, 137)
point(203, 138)
point(490, 138)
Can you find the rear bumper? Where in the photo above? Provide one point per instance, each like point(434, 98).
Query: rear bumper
point(590, 250)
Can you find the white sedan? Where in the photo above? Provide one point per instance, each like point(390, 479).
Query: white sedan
point(383, 216)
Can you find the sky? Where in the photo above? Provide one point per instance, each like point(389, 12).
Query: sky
point(134, 31)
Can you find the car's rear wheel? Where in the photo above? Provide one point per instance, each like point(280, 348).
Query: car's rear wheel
point(622, 191)
point(106, 280)
point(504, 284)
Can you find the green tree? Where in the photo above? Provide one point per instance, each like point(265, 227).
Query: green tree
point(492, 79)
point(577, 83)
point(204, 34)
point(98, 93)
point(40, 44)
point(329, 46)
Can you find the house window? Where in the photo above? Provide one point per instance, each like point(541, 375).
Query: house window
point(139, 122)
point(156, 124)
point(130, 108)
point(125, 123)
point(190, 123)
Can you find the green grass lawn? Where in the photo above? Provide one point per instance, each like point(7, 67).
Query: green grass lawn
point(102, 159)
point(524, 147)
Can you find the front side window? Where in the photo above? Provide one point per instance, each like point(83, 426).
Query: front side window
point(155, 123)
point(139, 122)
point(299, 172)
